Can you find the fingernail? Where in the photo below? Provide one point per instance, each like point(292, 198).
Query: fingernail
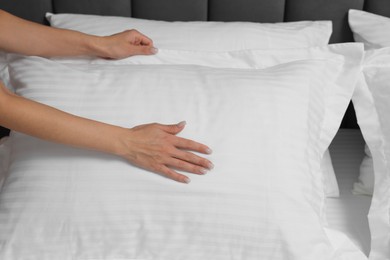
point(209, 151)
point(182, 123)
point(187, 180)
point(203, 171)
point(154, 50)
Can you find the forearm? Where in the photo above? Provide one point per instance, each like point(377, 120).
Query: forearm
point(50, 124)
point(25, 37)
point(154, 147)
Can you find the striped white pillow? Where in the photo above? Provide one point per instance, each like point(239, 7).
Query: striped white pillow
point(263, 200)
point(256, 58)
point(370, 29)
point(371, 101)
point(206, 36)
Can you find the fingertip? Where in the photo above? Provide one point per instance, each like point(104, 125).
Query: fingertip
point(182, 179)
point(146, 50)
point(149, 50)
point(182, 124)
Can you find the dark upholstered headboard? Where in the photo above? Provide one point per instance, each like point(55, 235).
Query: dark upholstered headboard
point(210, 10)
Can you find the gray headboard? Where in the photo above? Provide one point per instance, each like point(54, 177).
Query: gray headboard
point(210, 10)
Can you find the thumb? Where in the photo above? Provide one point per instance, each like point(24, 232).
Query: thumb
point(174, 129)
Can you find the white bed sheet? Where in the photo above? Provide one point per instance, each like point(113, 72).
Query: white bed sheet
point(348, 213)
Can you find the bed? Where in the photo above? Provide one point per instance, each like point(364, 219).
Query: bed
point(343, 214)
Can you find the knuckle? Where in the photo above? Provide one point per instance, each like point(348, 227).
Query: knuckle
point(189, 157)
point(157, 167)
point(192, 158)
point(196, 169)
point(204, 162)
point(188, 143)
point(181, 165)
point(170, 150)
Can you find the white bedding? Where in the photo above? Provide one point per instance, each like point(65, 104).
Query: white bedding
point(348, 213)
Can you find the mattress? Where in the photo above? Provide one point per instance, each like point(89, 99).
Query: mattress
point(348, 213)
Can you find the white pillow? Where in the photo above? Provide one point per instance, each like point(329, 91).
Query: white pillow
point(371, 101)
point(234, 59)
point(237, 59)
point(369, 28)
point(206, 36)
point(264, 199)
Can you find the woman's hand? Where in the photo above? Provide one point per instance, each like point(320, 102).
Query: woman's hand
point(125, 44)
point(156, 147)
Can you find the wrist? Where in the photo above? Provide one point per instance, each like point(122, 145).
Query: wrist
point(120, 142)
point(96, 46)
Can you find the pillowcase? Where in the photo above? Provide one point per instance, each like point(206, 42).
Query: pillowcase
point(206, 36)
point(369, 28)
point(371, 101)
point(237, 59)
point(362, 24)
point(233, 59)
point(264, 199)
